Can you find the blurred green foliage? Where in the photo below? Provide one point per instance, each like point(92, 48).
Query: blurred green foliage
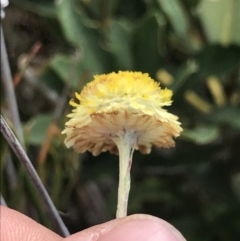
point(191, 47)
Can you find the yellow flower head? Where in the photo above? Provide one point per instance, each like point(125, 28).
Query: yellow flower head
point(120, 102)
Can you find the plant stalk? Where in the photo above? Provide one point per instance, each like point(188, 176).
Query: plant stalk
point(22, 156)
point(125, 143)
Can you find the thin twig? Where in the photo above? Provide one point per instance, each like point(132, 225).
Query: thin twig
point(60, 104)
point(11, 172)
point(22, 156)
point(18, 77)
point(62, 99)
point(2, 201)
point(9, 89)
point(11, 99)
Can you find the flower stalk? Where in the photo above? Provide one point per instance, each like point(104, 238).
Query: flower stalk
point(121, 112)
point(125, 142)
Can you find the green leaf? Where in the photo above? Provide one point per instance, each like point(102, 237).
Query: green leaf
point(212, 60)
point(85, 38)
point(177, 17)
point(201, 135)
point(50, 79)
point(221, 20)
point(182, 75)
point(148, 44)
point(218, 60)
point(100, 10)
point(67, 68)
point(37, 128)
point(44, 8)
point(229, 115)
point(119, 42)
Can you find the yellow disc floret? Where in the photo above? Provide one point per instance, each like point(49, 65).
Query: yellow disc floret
point(121, 101)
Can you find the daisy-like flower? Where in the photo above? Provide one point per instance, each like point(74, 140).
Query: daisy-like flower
point(121, 112)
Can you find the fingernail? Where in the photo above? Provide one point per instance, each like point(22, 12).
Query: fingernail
point(143, 230)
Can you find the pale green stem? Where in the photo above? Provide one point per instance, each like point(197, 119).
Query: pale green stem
point(227, 23)
point(125, 142)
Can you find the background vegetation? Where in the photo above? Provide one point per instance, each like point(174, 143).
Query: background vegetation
point(189, 46)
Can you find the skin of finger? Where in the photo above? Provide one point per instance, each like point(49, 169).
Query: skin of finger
point(16, 226)
point(139, 227)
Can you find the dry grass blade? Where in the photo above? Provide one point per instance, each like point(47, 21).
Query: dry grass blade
point(22, 156)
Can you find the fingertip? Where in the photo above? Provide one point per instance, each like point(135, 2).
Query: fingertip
point(135, 227)
point(16, 226)
point(143, 228)
point(164, 224)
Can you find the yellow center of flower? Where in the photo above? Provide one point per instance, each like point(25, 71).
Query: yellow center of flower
point(119, 102)
point(122, 89)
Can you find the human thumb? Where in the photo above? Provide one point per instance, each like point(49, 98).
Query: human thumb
point(137, 227)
